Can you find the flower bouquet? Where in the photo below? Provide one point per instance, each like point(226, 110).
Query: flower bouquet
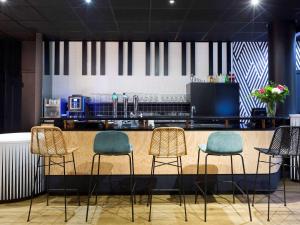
point(271, 94)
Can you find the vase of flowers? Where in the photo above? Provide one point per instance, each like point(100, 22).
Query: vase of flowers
point(271, 95)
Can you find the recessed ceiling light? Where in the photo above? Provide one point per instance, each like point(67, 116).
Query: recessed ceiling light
point(2, 0)
point(88, 1)
point(172, 2)
point(255, 2)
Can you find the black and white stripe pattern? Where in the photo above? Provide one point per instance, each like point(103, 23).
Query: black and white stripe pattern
point(298, 55)
point(59, 54)
point(219, 58)
point(125, 54)
point(157, 58)
point(57, 57)
point(17, 172)
point(250, 65)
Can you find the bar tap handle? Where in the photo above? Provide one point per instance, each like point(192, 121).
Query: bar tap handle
point(125, 104)
point(115, 104)
point(193, 111)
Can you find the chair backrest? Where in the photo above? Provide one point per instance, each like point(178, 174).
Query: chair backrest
point(111, 142)
point(285, 141)
point(168, 142)
point(47, 141)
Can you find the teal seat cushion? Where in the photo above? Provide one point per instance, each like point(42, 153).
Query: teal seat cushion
point(223, 143)
point(112, 143)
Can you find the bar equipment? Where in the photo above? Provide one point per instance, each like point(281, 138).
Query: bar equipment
point(54, 108)
point(115, 104)
point(135, 105)
point(77, 105)
point(125, 104)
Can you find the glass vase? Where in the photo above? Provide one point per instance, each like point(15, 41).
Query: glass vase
point(271, 109)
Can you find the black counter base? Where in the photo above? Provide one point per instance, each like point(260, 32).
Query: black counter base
point(119, 184)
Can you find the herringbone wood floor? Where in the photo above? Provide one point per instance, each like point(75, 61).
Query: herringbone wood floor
point(166, 210)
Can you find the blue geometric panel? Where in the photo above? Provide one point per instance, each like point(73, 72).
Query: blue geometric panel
point(298, 55)
point(250, 66)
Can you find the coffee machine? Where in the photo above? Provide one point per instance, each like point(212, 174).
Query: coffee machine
point(78, 106)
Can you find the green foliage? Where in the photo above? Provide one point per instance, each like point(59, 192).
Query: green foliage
point(272, 93)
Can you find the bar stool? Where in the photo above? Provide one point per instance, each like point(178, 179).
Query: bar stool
point(222, 144)
point(167, 142)
point(49, 142)
point(284, 144)
point(112, 143)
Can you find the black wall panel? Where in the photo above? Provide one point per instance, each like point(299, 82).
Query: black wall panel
point(66, 58)
point(102, 58)
point(10, 85)
point(56, 57)
point(84, 58)
point(183, 58)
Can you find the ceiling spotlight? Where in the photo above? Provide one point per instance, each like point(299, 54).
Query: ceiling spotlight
point(172, 2)
point(88, 1)
point(255, 2)
point(2, 0)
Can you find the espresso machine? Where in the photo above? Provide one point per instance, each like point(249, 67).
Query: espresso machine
point(78, 106)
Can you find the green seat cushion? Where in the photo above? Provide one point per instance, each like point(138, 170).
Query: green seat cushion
point(112, 143)
point(223, 143)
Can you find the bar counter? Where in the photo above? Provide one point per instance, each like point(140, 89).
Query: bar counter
point(196, 134)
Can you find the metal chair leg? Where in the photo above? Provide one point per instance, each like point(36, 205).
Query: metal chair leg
point(196, 191)
point(205, 188)
point(47, 181)
point(246, 187)
point(151, 186)
point(255, 179)
point(269, 194)
point(75, 172)
point(283, 178)
point(90, 189)
point(149, 191)
point(132, 162)
point(178, 181)
point(98, 173)
point(131, 188)
point(182, 188)
point(232, 180)
point(65, 183)
point(33, 188)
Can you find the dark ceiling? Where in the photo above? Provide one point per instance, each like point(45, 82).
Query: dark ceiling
point(198, 20)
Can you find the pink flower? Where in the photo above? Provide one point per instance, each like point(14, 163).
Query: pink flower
point(261, 91)
point(280, 87)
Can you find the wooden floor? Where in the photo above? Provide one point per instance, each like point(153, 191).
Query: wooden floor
point(166, 210)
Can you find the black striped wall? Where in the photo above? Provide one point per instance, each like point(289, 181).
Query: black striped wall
point(219, 57)
point(166, 58)
point(66, 58)
point(183, 58)
point(84, 58)
point(120, 56)
point(93, 57)
point(157, 59)
point(102, 57)
point(56, 58)
point(211, 58)
point(148, 45)
point(129, 59)
point(157, 54)
point(193, 58)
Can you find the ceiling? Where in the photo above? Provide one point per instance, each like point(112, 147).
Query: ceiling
point(137, 20)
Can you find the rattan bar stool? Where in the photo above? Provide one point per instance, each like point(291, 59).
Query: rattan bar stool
point(167, 143)
point(112, 143)
point(49, 142)
point(284, 144)
point(222, 144)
